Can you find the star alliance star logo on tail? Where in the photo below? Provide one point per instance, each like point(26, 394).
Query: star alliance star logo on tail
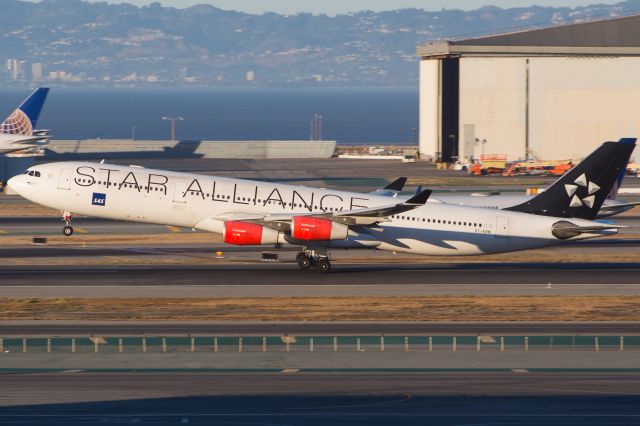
point(576, 199)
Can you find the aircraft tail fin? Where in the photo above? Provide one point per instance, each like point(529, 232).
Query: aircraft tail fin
point(614, 190)
point(581, 191)
point(23, 120)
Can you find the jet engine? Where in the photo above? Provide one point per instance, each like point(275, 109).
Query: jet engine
point(247, 234)
point(317, 229)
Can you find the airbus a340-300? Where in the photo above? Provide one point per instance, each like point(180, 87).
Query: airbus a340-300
point(257, 213)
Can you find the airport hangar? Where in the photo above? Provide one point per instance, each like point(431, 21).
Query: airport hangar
point(551, 93)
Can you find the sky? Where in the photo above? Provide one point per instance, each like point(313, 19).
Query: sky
point(332, 7)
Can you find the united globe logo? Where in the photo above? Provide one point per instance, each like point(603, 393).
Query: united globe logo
point(17, 124)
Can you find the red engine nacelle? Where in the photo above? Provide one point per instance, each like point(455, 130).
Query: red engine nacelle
point(317, 229)
point(248, 234)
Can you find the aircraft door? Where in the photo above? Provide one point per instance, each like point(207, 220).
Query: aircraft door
point(502, 227)
point(179, 191)
point(64, 182)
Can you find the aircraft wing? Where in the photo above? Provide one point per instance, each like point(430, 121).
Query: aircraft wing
point(30, 139)
point(391, 190)
point(378, 214)
point(368, 216)
point(618, 207)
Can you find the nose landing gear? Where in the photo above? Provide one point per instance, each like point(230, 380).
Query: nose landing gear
point(68, 229)
point(311, 258)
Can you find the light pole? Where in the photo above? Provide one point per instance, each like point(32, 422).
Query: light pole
point(482, 142)
point(173, 126)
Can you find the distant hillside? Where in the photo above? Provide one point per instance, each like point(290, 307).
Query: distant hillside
point(76, 42)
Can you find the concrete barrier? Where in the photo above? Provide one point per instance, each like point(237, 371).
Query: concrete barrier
point(123, 148)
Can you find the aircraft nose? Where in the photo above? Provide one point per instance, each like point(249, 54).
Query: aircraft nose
point(17, 184)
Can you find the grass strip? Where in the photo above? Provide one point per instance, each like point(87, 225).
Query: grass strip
point(431, 308)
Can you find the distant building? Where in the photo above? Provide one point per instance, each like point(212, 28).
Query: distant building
point(250, 75)
point(36, 71)
point(552, 93)
point(15, 68)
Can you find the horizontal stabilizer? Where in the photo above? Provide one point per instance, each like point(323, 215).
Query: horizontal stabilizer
point(618, 207)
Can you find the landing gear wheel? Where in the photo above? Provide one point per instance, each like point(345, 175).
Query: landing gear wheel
point(67, 231)
point(324, 266)
point(300, 256)
point(304, 262)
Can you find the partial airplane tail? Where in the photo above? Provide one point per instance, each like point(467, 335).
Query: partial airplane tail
point(616, 187)
point(23, 120)
point(582, 190)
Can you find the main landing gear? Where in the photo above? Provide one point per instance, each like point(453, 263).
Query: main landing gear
point(311, 258)
point(68, 229)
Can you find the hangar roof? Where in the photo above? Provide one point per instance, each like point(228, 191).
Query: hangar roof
point(611, 37)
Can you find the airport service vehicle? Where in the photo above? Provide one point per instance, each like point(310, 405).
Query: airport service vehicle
point(259, 213)
point(497, 201)
point(538, 168)
point(490, 164)
point(17, 132)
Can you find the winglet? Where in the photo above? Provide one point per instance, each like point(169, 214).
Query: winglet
point(397, 185)
point(420, 198)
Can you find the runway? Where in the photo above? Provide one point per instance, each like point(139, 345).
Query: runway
point(321, 398)
point(348, 279)
point(31, 226)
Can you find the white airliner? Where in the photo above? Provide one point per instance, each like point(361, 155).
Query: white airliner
point(610, 207)
point(255, 213)
point(17, 132)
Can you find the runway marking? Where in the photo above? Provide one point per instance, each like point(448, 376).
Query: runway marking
point(3, 232)
point(175, 229)
point(81, 230)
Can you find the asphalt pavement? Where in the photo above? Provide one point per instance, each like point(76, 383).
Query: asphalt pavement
point(321, 398)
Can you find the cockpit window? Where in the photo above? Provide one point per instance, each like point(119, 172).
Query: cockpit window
point(33, 173)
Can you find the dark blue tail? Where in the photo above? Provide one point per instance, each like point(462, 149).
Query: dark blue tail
point(582, 190)
point(24, 119)
point(616, 186)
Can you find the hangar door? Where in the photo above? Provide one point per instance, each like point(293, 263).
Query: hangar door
point(450, 109)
